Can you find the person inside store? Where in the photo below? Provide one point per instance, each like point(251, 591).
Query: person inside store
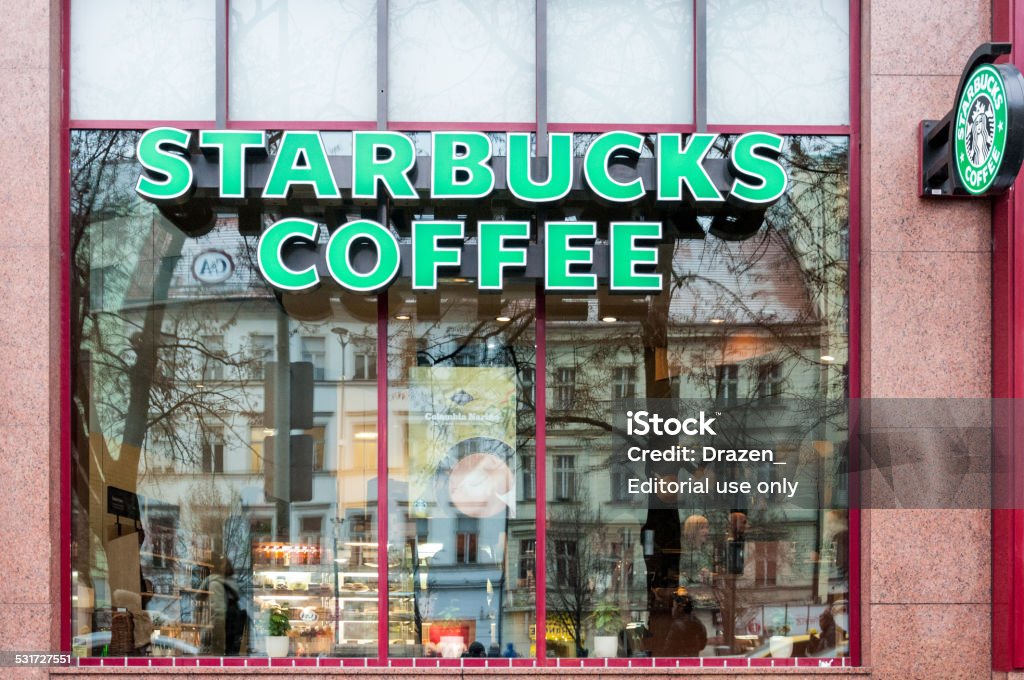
point(826, 639)
point(687, 636)
point(227, 618)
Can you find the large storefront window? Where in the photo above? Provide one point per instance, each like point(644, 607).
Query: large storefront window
point(200, 528)
point(754, 330)
point(461, 423)
point(224, 450)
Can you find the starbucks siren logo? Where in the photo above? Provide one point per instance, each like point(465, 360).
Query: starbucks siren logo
point(981, 121)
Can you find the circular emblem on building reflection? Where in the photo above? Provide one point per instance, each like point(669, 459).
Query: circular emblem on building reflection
point(212, 266)
point(980, 130)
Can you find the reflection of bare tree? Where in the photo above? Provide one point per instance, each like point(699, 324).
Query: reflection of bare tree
point(142, 357)
point(577, 565)
point(741, 325)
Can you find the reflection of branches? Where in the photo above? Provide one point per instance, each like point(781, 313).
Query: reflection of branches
point(576, 563)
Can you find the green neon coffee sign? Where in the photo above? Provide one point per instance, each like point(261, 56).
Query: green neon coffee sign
point(383, 166)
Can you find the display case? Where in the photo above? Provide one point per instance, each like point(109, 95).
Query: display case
point(332, 602)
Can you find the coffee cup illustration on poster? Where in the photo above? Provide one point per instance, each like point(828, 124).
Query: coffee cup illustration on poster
point(462, 426)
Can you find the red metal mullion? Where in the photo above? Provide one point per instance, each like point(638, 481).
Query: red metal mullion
point(854, 336)
point(540, 468)
point(63, 588)
point(383, 587)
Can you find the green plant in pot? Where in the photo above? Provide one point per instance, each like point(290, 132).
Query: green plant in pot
point(607, 624)
point(277, 631)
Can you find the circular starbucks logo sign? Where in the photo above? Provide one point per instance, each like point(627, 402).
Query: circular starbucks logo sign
point(981, 121)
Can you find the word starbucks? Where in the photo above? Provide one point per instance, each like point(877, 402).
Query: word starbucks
point(462, 167)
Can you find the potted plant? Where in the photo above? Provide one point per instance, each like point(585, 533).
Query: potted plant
point(607, 624)
point(277, 631)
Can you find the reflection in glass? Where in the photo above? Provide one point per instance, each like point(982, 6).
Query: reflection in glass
point(142, 60)
point(748, 328)
point(461, 423)
point(611, 64)
point(225, 438)
point(462, 60)
point(190, 509)
point(778, 62)
point(310, 60)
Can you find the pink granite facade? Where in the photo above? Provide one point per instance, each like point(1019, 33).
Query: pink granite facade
point(925, 596)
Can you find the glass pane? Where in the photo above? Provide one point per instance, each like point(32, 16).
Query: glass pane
point(781, 62)
point(182, 383)
point(143, 60)
point(746, 328)
point(461, 440)
point(461, 60)
point(314, 60)
point(609, 64)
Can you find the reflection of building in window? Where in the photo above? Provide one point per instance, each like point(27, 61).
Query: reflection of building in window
point(564, 391)
point(262, 350)
point(565, 477)
point(769, 381)
point(621, 558)
point(527, 383)
point(527, 478)
point(727, 383)
point(318, 435)
point(765, 563)
point(313, 351)
point(620, 483)
point(256, 437)
point(162, 532)
point(310, 529)
point(527, 561)
point(213, 357)
point(623, 382)
point(466, 541)
point(261, 529)
point(213, 449)
point(365, 365)
point(565, 560)
point(159, 458)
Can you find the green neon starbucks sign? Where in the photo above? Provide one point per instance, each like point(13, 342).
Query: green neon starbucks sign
point(224, 167)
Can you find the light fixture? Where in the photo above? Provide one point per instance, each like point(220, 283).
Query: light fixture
point(503, 319)
point(717, 321)
point(827, 358)
point(609, 319)
point(366, 435)
point(402, 317)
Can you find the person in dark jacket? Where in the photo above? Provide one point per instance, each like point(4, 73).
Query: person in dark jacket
point(687, 636)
